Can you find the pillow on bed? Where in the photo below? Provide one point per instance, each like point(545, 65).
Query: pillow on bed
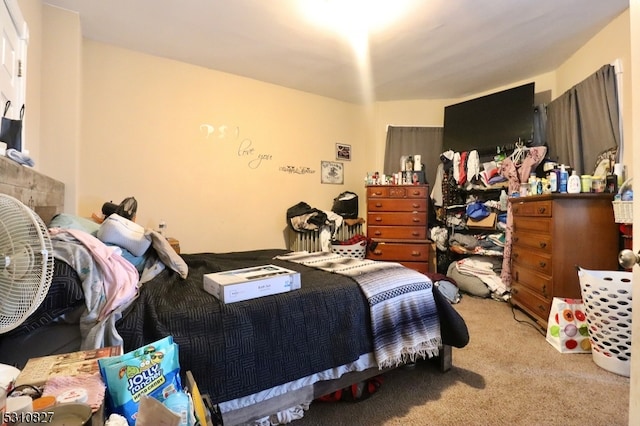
point(69, 221)
point(122, 232)
point(167, 254)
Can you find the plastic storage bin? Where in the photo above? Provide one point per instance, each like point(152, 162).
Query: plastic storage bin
point(356, 251)
point(606, 296)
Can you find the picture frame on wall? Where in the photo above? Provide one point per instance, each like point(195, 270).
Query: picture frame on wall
point(343, 152)
point(332, 172)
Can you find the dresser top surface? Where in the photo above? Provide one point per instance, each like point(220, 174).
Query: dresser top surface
point(546, 197)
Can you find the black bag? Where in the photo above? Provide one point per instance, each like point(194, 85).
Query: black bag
point(346, 205)
point(11, 130)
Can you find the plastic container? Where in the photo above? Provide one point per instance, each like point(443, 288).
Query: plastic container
point(503, 200)
point(553, 181)
point(623, 203)
point(563, 181)
point(356, 251)
point(573, 183)
point(606, 296)
point(598, 184)
point(585, 183)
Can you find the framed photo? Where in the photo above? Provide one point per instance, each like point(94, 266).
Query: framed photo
point(343, 152)
point(331, 172)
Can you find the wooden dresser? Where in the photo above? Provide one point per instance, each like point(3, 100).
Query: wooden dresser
point(397, 222)
point(552, 235)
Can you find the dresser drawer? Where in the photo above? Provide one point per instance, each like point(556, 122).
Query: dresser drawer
point(422, 267)
point(399, 219)
point(539, 262)
point(398, 232)
point(396, 205)
point(400, 252)
point(397, 192)
point(377, 192)
point(532, 224)
point(531, 302)
point(536, 241)
point(539, 283)
point(535, 208)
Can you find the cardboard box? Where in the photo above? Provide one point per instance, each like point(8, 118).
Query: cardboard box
point(38, 370)
point(488, 222)
point(249, 283)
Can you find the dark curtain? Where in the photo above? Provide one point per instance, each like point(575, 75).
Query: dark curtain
point(539, 125)
point(424, 141)
point(583, 122)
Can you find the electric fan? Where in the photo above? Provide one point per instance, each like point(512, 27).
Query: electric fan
point(26, 262)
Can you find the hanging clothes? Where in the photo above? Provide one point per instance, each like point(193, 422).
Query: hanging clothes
point(516, 174)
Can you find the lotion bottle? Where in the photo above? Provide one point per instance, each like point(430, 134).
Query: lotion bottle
point(573, 183)
point(553, 181)
point(564, 180)
point(503, 200)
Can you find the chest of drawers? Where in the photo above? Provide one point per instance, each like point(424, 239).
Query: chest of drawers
point(553, 235)
point(397, 222)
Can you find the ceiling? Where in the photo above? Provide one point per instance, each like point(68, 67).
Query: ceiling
point(439, 49)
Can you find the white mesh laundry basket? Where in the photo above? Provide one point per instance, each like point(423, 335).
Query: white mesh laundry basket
point(606, 296)
point(357, 251)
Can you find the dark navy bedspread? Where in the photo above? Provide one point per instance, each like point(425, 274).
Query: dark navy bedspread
point(241, 348)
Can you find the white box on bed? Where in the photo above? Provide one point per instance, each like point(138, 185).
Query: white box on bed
point(249, 283)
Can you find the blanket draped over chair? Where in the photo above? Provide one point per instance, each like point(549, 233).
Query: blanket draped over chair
point(404, 317)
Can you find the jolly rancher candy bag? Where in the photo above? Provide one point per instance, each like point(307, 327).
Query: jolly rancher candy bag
point(152, 370)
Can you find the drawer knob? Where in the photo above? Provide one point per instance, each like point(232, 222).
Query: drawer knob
point(377, 233)
point(544, 290)
point(415, 253)
point(542, 308)
point(378, 204)
point(543, 264)
point(515, 239)
point(378, 252)
point(516, 210)
point(415, 234)
point(543, 244)
point(541, 210)
point(378, 219)
point(515, 255)
point(415, 205)
point(416, 220)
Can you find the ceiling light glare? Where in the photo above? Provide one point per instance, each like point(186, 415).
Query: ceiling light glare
point(347, 16)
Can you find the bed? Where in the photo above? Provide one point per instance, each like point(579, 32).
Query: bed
point(254, 358)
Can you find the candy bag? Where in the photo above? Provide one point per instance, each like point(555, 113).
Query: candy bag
point(152, 370)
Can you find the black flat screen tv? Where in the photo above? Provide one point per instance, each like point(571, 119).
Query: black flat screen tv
point(496, 120)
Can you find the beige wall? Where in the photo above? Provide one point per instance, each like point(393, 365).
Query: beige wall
point(143, 121)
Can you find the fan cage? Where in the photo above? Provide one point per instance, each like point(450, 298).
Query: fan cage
point(26, 262)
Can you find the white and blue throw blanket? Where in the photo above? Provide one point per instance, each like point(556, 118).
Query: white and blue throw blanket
point(404, 317)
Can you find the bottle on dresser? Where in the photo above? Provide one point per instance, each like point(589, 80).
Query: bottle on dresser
point(564, 180)
point(573, 183)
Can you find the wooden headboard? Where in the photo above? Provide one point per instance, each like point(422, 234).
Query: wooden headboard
point(41, 193)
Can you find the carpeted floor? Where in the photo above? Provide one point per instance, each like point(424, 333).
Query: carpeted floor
point(507, 375)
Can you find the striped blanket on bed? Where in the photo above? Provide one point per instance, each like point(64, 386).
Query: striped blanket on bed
point(404, 317)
